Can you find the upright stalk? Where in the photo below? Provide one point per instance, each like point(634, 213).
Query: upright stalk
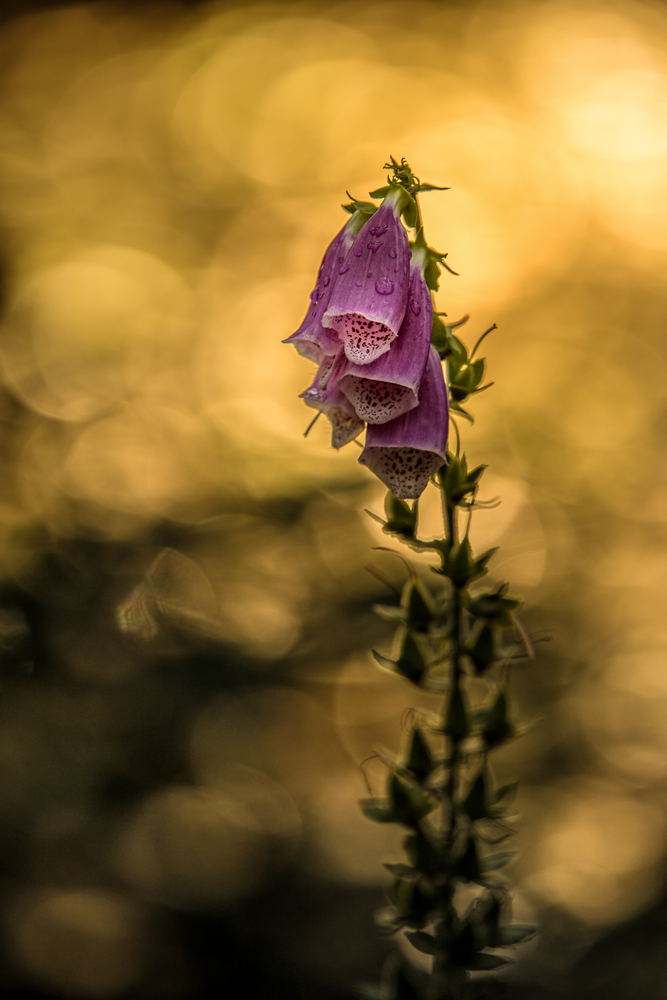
point(447, 804)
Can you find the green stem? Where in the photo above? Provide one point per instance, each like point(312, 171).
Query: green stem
point(444, 978)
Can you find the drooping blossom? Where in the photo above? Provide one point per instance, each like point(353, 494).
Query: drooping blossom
point(324, 395)
point(312, 340)
point(405, 452)
point(389, 386)
point(369, 297)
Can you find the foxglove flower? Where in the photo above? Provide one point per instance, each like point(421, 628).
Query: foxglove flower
point(325, 396)
point(312, 340)
point(388, 387)
point(405, 452)
point(368, 300)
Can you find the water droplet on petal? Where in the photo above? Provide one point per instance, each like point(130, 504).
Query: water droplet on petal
point(313, 296)
point(416, 308)
point(358, 253)
point(379, 230)
point(374, 245)
point(392, 254)
point(383, 286)
point(358, 284)
point(326, 281)
point(346, 267)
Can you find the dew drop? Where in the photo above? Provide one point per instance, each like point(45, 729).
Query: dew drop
point(379, 230)
point(346, 267)
point(392, 254)
point(383, 286)
point(358, 284)
point(358, 253)
point(374, 245)
point(313, 296)
point(326, 281)
point(416, 308)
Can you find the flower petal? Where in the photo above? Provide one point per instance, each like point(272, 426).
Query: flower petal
point(388, 387)
point(325, 396)
point(405, 452)
point(368, 301)
point(312, 340)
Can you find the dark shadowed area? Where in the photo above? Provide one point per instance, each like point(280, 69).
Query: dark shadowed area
point(186, 692)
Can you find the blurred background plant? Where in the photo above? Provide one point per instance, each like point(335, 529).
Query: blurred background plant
point(186, 688)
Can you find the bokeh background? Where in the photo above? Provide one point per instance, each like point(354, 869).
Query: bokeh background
point(185, 690)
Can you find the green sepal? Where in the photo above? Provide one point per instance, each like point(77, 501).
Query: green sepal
point(495, 606)
point(457, 480)
point(465, 379)
point(497, 727)
point(421, 852)
point(432, 274)
point(493, 862)
point(401, 517)
point(468, 865)
point(482, 651)
point(406, 803)
point(359, 206)
point(484, 962)
point(420, 760)
point(455, 407)
point(474, 803)
point(380, 192)
point(418, 609)
point(461, 566)
point(513, 934)
point(456, 723)
point(422, 941)
point(445, 342)
point(409, 212)
point(410, 664)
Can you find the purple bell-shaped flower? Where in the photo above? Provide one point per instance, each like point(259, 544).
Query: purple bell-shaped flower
point(369, 298)
point(405, 452)
point(388, 387)
point(312, 340)
point(325, 396)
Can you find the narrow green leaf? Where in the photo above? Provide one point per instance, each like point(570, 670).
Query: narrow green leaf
point(513, 934)
point(431, 187)
point(400, 869)
point(484, 962)
point(493, 862)
point(376, 812)
point(422, 941)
